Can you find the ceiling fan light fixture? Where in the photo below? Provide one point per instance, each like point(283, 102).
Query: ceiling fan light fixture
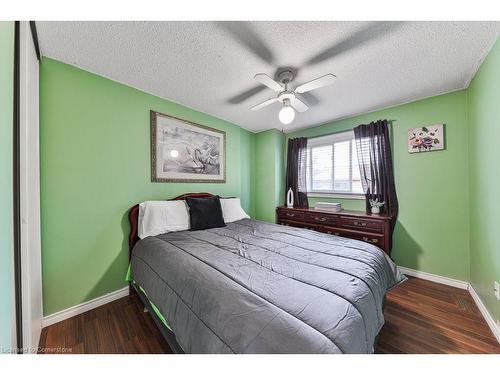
point(287, 113)
point(287, 96)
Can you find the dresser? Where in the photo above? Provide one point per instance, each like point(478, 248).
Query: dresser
point(374, 229)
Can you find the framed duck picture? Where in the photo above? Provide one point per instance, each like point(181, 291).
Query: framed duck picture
point(183, 151)
point(426, 138)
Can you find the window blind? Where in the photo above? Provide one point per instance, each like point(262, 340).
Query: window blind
point(332, 164)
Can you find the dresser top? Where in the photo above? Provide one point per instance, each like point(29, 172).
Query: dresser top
point(361, 214)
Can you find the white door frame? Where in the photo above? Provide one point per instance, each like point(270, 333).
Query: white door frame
point(31, 275)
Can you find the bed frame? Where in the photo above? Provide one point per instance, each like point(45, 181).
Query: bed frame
point(132, 240)
point(133, 237)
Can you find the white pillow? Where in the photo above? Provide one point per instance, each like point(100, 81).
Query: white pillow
point(231, 210)
point(158, 217)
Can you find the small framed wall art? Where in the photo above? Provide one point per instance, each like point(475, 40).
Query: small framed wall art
point(426, 138)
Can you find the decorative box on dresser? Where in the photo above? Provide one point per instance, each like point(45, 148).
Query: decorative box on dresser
point(375, 229)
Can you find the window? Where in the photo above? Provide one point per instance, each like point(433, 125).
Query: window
point(332, 165)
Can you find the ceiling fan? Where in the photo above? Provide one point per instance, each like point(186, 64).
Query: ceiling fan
point(287, 96)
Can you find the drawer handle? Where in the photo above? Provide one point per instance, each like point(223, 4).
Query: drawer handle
point(361, 224)
point(290, 215)
point(320, 218)
point(334, 233)
point(370, 240)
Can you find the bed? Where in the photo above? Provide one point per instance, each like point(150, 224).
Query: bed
point(256, 287)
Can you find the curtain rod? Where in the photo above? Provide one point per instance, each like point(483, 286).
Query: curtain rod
point(335, 132)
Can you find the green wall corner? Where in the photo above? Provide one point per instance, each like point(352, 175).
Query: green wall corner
point(95, 165)
point(269, 175)
point(484, 182)
point(431, 233)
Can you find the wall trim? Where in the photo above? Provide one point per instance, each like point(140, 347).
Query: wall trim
point(435, 278)
point(84, 307)
point(486, 314)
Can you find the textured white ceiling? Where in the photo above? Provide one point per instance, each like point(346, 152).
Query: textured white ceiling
point(208, 65)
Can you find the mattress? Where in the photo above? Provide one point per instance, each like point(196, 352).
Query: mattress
point(255, 287)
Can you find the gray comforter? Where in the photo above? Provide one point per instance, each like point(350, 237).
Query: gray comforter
point(254, 287)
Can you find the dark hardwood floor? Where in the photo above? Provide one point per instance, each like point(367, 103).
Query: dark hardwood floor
point(421, 317)
point(117, 327)
point(425, 317)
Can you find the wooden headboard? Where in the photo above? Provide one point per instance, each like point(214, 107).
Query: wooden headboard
point(133, 217)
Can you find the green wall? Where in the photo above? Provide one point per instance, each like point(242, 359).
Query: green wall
point(484, 152)
point(6, 176)
point(432, 229)
point(269, 173)
point(95, 164)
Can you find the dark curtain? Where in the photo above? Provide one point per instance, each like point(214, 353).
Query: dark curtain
point(296, 171)
point(375, 164)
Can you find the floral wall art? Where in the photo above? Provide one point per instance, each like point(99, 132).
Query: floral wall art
point(426, 138)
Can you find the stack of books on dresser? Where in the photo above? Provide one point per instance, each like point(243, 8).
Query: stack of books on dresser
point(328, 207)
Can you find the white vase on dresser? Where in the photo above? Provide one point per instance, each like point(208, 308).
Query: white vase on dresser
point(289, 198)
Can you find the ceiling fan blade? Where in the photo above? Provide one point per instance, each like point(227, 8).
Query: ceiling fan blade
point(244, 34)
point(247, 94)
point(268, 81)
point(325, 80)
point(310, 99)
point(264, 104)
point(298, 105)
point(360, 38)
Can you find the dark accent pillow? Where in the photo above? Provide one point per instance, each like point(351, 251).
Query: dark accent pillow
point(205, 213)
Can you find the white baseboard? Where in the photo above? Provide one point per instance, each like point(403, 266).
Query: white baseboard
point(435, 278)
point(486, 314)
point(83, 307)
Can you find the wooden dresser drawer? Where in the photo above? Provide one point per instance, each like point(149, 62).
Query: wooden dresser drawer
point(290, 215)
point(299, 224)
point(362, 224)
point(332, 230)
point(373, 238)
point(351, 224)
point(320, 218)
